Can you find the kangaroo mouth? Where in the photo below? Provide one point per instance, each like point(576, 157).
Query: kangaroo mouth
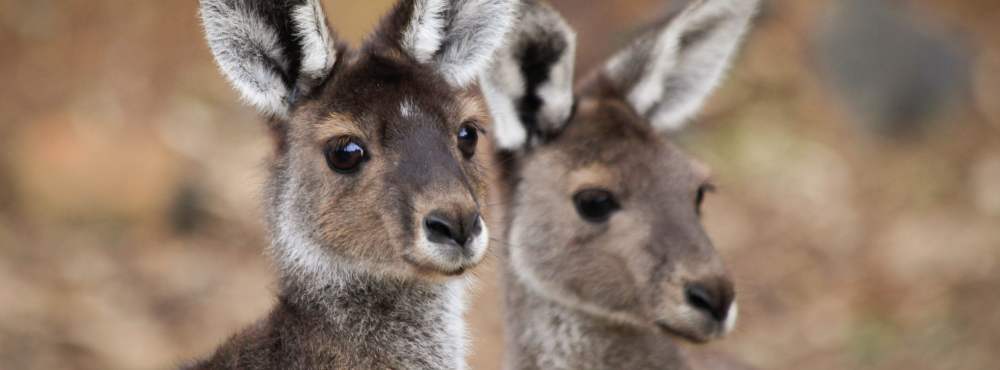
point(435, 269)
point(689, 335)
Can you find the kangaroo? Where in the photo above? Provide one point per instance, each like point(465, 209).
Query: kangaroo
point(606, 262)
point(373, 198)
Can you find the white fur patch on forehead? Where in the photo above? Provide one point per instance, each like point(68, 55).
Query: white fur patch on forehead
point(407, 108)
point(318, 49)
point(425, 32)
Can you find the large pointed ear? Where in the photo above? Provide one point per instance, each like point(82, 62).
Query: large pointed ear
point(529, 87)
point(667, 74)
point(458, 37)
point(271, 51)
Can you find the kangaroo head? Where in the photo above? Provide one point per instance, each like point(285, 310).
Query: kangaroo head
point(378, 166)
point(604, 213)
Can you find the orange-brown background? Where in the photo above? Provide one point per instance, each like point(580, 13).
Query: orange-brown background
point(131, 235)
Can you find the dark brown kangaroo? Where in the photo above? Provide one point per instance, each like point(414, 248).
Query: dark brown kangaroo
point(606, 260)
point(373, 198)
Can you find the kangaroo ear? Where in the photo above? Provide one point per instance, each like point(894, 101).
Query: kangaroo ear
point(530, 85)
point(667, 74)
point(458, 37)
point(271, 51)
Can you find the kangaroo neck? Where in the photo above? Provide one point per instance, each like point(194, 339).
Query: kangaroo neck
point(543, 334)
point(377, 321)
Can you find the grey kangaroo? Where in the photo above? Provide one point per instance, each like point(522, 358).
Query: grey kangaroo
point(606, 262)
point(373, 198)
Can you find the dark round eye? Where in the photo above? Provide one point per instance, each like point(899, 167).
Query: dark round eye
point(468, 138)
point(595, 205)
point(345, 154)
point(699, 198)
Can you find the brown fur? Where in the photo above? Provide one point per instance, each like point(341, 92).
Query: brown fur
point(362, 283)
point(386, 190)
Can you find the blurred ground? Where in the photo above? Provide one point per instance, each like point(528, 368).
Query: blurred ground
point(131, 236)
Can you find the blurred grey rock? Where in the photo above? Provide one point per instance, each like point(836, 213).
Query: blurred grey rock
point(895, 71)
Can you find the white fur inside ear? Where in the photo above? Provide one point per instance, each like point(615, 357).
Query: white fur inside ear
point(557, 91)
point(540, 27)
point(508, 131)
point(318, 48)
point(247, 51)
point(676, 79)
point(264, 90)
point(651, 88)
point(475, 32)
point(425, 32)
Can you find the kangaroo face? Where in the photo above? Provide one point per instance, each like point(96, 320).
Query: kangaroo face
point(607, 219)
point(604, 211)
point(389, 172)
point(379, 167)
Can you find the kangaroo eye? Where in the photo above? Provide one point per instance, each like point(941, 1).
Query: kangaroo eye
point(468, 138)
point(345, 154)
point(699, 198)
point(595, 205)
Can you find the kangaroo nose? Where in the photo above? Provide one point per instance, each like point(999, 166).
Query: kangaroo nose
point(713, 297)
point(444, 229)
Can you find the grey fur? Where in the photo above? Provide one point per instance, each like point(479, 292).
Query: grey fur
point(248, 47)
point(476, 29)
point(359, 323)
point(667, 74)
point(549, 336)
point(539, 27)
point(609, 295)
point(458, 36)
point(365, 283)
point(424, 32)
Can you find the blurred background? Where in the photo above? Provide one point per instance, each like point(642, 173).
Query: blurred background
point(856, 144)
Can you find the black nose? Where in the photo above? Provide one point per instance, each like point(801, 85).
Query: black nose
point(445, 229)
point(713, 297)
